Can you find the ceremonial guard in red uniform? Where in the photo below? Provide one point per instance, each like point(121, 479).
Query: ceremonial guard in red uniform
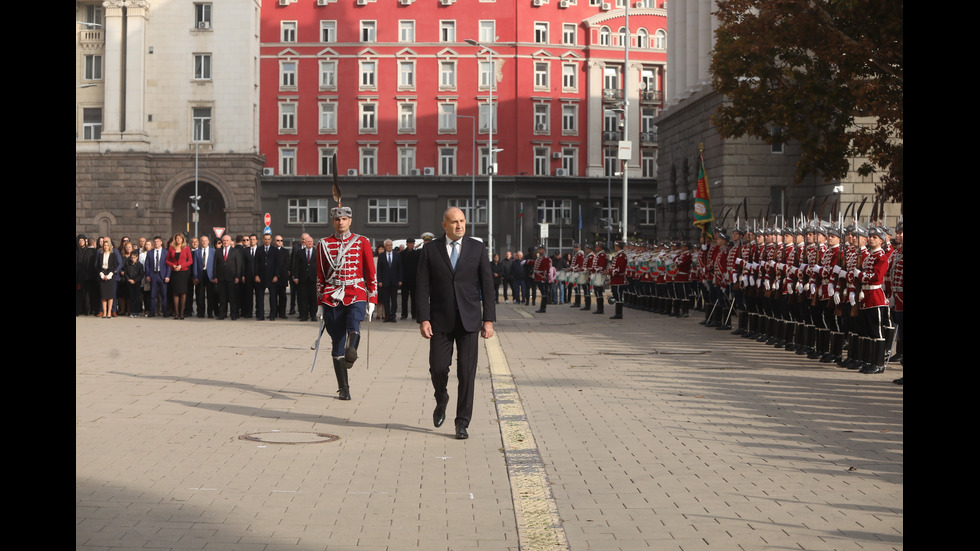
point(587, 267)
point(874, 303)
point(600, 274)
point(347, 291)
point(542, 277)
point(574, 279)
point(617, 278)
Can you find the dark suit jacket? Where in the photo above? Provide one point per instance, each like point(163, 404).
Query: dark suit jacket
point(150, 264)
point(200, 271)
point(267, 265)
point(304, 270)
point(230, 269)
point(441, 291)
point(390, 275)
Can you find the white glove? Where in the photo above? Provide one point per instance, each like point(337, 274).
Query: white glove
point(851, 298)
point(370, 310)
point(836, 299)
point(321, 311)
point(813, 288)
point(836, 270)
point(734, 277)
point(752, 281)
point(765, 284)
point(830, 289)
point(738, 261)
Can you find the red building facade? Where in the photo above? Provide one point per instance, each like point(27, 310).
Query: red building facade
point(395, 87)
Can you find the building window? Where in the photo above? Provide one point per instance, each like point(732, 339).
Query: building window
point(387, 211)
point(288, 31)
point(328, 31)
point(541, 118)
point(484, 161)
point(569, 77)
point(610, 78)
point(287, 161)
point(368, 75)
point(308, 211)
point(447, 118)
point(447, 31)
point(647, 213)
point(777, 140)
point(406, 31)
point(611, 163)
point(555, 211)
point(604, 36)
point(569, 119)
point(406, 160)
point(488, 31)
point(541, 75)
point(326, 160)
point(202, 66)
point(660, 40)
point(647, 125)
point(642, 39)
point(486, 75)
point(406, 75)
point(610, 125)
point(328, 118)
point(201, 119)
point(447, 161)
point(447, 75)
point(287, 118)
point(369, 117)
point(648, 163)
point(328, 75)
point(93, 67)
point(369, 31)
point(541, 32)
point(568, 34)
point(569, 160)
point(369, 161)
point(648, 79)
point(202, 15)
point(92, 123)
point(488, 115)
point(287, 75)
point(406, 118)
point(477, 217)
point(540, 161)
point(621, 37)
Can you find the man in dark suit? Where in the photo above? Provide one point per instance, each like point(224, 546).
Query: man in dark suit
point(456, 301)
point(284, 267)
point(304, 278)
point(267, 270)
point(410, 265)
point(246, 290)
point(228, 266)
point(203, 274)
point(158, 274)
point(389, 280)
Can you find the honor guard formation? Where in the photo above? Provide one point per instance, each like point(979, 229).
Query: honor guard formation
point(818, 289)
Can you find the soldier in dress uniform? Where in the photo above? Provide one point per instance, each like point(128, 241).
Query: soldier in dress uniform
point(682, 281)
point(600, 274)
point(587, 267)
point(577, 267)
point(852, 318)
point(542, 277)
point(617, 278)
point(346, 290)
point(874, 303)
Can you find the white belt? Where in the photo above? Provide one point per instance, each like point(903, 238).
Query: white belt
point(870, 287)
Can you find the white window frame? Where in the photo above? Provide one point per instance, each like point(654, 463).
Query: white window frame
point(313, 210)
point(367, 117)
point(648, 163)
point(201, 132)
point(202, 66)
point(487, 79)
point(554, 211)
point(488, 31)
point(447, 117)
point(287, 117)
point(287, 31)
point(447, 30)
point(328, 74)
point(406, 117)
point(368, 31)
point(406, 30)
point(541, 80)
point(541, 34)
point(406, 74)
point(92, 69)
point(647, 213)
point(569, 160)
point(92, 130)
point(569, 119)
point(604, 36)
point(487, 110)
point(202, 14)
point(287, 161)
point(406, 159)
point(368, 74)
point(326, 160)
point(387, 211)
point(660, 40)
point(463, 204)
point(542, 118)
point(368, 160)
point(541, 163)
point(327, 117)
point(328, 31)
point(569, 34)
point(447, 160)
point(447, 75)
point(569, 77)
point(288, 69)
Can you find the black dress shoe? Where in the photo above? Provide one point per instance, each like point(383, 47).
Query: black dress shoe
point(439, 415)
point(461, 433)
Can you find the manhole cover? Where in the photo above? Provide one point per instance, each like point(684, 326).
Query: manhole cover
point(278, 437)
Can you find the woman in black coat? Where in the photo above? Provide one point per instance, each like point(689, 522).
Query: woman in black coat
point(107, 266)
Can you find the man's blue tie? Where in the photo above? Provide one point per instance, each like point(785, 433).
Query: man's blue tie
point(455, 254)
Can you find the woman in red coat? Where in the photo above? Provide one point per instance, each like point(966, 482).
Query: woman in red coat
point(180, 260)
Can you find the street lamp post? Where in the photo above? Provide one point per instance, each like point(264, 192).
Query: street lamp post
point(490, 119)
point(473, 167)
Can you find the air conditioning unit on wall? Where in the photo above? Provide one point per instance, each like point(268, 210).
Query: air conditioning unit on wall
point(352, 172)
